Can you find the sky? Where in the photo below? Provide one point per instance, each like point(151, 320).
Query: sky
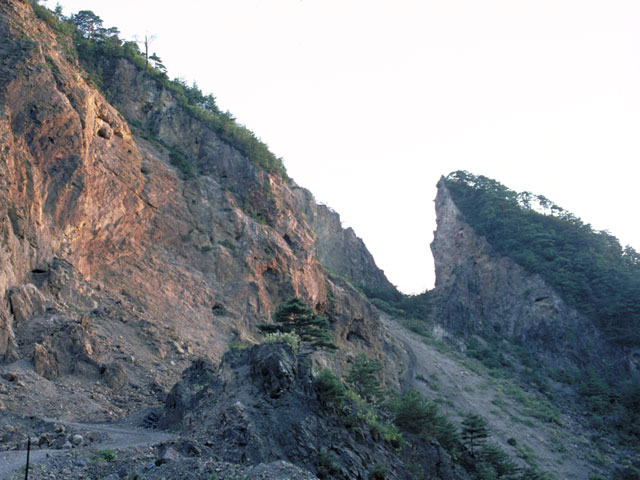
point(369, 102)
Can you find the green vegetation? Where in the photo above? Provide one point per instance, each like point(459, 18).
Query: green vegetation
point(414, 311)
point(379, 472)
point(330, 389)
point(420, 417)
point(363, 377)
point(328, 464)
point(290, 338)
point(415, 414)
point(347, 402)
point(294, 316)
point(589, 268)
point(107, 455)
point(474, 430)
point(490, 357)
point(97, 49)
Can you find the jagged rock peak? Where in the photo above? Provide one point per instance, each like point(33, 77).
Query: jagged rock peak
point(481, 291)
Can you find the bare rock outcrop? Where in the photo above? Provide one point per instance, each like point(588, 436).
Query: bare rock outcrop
point(261, 404)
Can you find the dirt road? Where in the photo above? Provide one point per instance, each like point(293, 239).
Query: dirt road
point(118, 436)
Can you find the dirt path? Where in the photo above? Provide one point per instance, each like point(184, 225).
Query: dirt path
point(119, 435)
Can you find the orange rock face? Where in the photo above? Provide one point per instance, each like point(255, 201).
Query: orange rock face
point(107, 229)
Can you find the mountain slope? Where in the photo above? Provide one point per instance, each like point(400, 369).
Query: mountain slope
point(508, 318)
point(104, 234)
point(141, 229)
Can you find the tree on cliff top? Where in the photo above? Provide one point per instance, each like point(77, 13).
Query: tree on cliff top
point(87, 22)
point(295, 316)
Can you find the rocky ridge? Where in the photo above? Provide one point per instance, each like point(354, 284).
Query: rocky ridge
point(480, 291)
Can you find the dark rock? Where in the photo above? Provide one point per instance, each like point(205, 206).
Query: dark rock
point(169, 454)
point(197, 377)
point(105, 132)
point(260, 405)
point(44, 440)
point(280, 470)
point(275, 365)
point(60, 442)
point(10, 376)
point(480, 291)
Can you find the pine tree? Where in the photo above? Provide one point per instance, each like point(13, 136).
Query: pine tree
point(412, 412)
point(295, 316)
point(87, 22)
point(474, 430)
point(364, 376)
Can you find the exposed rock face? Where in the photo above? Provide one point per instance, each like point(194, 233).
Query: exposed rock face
point(63, 188)
point(480, 291)
point(99, 231)
point(260, 403)
point(340, 249)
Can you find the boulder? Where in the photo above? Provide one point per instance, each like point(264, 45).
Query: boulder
point(115, 375)
point(169, 454)
point(275, 365)
point(44, 362)
point(26, 302)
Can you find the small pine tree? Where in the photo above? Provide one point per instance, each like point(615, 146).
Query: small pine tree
point(363, 375)
point(157, 62)
point(330, 388)
point(412, 412)
point(500, 460)
point(295, 316)
point(474, 430)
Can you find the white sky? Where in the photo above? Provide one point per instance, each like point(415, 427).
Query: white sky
point(370, 102)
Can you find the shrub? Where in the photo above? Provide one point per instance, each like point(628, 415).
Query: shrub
point(108, 455)
point(329, 387)
point(379, 472)
point(474, 430)
point(327, 464)
point(412, 412)
point(295, 316)
point(290, 338)
point(416, 414)
point(363, 376)
point(499, 460)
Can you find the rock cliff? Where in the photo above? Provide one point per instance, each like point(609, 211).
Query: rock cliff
point(480, 291)
point(100, 233)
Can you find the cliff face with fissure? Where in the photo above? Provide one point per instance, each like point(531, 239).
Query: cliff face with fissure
point(481, 291)
point(159, 268)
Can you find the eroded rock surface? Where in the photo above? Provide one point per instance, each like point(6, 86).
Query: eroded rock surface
point(102, 237)
point(261, 404)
